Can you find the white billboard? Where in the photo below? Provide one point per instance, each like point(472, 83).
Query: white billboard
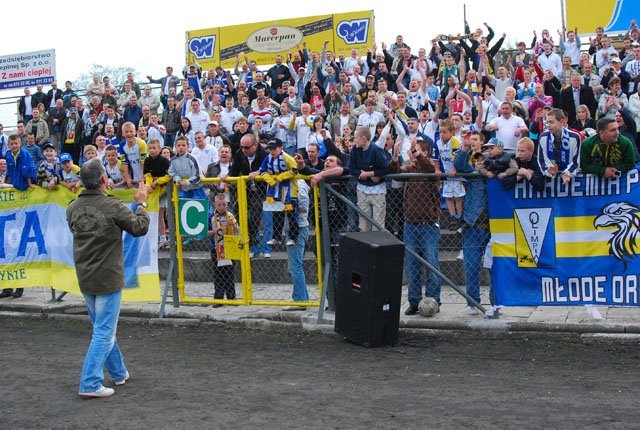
point(27, 69)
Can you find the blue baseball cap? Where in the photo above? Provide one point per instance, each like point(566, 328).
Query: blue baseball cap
point(65, 156)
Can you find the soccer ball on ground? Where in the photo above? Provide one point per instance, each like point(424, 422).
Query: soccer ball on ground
point(428, 307)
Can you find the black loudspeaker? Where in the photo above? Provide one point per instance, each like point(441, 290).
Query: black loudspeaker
point(369, 288)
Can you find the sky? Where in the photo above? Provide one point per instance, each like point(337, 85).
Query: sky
point(152, 38)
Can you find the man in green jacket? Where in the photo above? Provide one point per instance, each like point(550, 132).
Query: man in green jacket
point(96, 221)
point(607, 153)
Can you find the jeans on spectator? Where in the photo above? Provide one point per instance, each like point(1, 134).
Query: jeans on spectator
point(198, 194)
point(55, 141)
point(474, 241)
point(290, 149)
point(278, 225)
point(267, 233)
point(352, 215)
point(169, 139)
point(295, 256)
point(103, 311)
point(425, 241)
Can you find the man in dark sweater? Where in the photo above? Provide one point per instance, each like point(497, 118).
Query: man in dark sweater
point(247, 162)
point(369, 164)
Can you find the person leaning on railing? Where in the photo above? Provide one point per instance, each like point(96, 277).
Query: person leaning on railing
point(475, 216)
point(422, 210)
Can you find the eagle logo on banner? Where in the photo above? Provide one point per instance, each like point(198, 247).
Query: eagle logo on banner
point(623, 215)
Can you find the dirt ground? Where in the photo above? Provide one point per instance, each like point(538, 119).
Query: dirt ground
point(216, 377)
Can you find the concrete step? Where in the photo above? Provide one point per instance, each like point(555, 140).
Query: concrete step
point(198, 267)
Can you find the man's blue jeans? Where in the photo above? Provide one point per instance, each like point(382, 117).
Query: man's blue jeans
point(295, 254)
point(425, 241)
point(103, 311)
point(267, 234)
point(474, 242)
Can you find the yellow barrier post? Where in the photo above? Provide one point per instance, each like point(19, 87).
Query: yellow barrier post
point(318, 239)
point(245, 262)
point(175, 200)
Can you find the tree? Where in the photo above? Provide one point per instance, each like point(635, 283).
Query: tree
point(117, 75)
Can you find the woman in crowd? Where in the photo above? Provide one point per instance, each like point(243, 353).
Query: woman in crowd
point(583, 120)
point(186, 131)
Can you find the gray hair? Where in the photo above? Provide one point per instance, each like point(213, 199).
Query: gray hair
point(91, 173)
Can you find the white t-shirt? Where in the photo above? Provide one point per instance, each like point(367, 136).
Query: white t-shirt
point(344, 120)
point(506, 130)
point(204, 157)
point(370, 120)
point(27, 105)
point(199, 121)
point(303, 128)
point(416, 99)
point(228, 118)
point(429, 129)
point(115, 174)
point(135, 163)
point(633, 68)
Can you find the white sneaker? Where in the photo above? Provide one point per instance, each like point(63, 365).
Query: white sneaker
point(252, 254)
point(461, 255)
point(100, 392)
point(267, 255)
point(290, 242)
point(124, 381)
point(471, 310)
point(272, 242)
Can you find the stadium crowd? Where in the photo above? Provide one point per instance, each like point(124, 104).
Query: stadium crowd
point(549, 109)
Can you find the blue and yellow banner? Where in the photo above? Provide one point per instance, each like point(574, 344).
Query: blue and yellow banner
point(572, 244)
point(36, 247)
point(614, 16)
point(262, 41)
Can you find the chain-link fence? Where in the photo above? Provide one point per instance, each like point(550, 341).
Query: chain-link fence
point(440, 228)
point(433, 219)
point(267, 262)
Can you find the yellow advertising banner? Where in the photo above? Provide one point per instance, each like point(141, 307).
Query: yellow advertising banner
point(613, 15)
point(36, 246)
point(262, 41)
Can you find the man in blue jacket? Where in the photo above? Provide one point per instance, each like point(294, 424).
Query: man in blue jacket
point(475, 233)
point(369, 164)
point(21, 172)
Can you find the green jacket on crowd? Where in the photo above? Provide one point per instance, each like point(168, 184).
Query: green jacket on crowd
point(596, 156)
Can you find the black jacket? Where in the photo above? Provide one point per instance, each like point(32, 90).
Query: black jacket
point(61, 115)
point(235, 142)
point(22, 107)
point(77, 138)
point(157, 167)
point(586, 98)
point(37, 98)
point(273, 73)
point(241, 166)
point(51, 94)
